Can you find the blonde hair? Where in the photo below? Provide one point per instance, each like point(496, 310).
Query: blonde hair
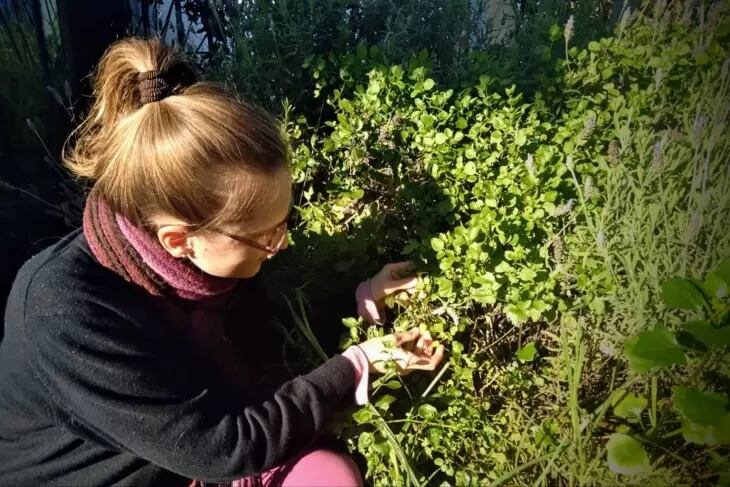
point(200, 154)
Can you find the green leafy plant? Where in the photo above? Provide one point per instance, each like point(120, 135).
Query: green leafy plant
point(703, 414)
point(543, 227)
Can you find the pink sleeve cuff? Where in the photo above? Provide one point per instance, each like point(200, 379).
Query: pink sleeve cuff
point(366, 306)
point(362, 368)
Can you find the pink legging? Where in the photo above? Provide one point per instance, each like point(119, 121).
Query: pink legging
point(314, 468)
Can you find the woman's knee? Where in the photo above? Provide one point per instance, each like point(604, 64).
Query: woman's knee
point(324, 468)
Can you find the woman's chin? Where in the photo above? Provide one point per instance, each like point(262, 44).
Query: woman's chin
point(241, 272)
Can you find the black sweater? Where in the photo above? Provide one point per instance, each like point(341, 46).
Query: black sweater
point(98, 385)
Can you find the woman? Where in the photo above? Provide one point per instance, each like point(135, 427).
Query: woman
point(135, 351)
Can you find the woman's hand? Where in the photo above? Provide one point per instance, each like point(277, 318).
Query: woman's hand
point(409, 350)
point(393, 277)
point(371, 294)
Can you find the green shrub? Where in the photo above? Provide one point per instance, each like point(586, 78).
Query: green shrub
point(545, 226)
point(292, 49)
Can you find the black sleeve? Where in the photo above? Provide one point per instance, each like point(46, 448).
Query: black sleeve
point(105, 373)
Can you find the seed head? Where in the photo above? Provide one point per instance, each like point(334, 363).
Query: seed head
point(606, 348)
point(625, 18)
point(658, 77)
point(569, 162)
point(589, 191)
point(565, 208)
point(568, 31)
point(558, 248)
point(589, 124)
point(613, 152)
point(530, 164)
point(699, 126)
point(601, 240)
point(695, 222)
point(657, 155)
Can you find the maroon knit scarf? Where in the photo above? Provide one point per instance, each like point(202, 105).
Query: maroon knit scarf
point(137, 256)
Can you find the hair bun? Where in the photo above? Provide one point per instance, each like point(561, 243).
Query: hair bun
point(158, 84)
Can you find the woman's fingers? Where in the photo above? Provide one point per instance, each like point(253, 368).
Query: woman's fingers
point(424, 344)
point(400, 285)
point(429, 363)
point(412, 350)
point(411, 361)
point(399, 270)
point(423, 341)
point(400, 276)
point(392, 278)
point(404, 337)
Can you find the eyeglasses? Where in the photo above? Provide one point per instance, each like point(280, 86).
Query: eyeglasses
point(272, 247)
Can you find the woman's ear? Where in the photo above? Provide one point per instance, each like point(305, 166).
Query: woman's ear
point(176, 240)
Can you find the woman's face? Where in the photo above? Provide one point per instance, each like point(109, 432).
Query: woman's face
point(223, 256)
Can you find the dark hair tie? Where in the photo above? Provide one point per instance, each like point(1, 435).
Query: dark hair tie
point(157, 84)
